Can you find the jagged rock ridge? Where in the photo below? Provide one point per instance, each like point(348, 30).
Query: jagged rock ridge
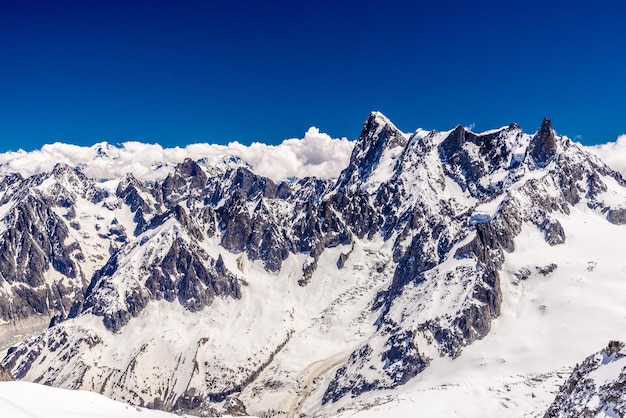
point(595, 387)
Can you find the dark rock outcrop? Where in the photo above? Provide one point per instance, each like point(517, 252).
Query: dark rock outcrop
point(185, 273)
point(617, 216)
point(542, 148)
point(37, 239)
point(378, 134)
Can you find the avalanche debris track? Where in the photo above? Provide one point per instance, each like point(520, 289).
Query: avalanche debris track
point(306, 383)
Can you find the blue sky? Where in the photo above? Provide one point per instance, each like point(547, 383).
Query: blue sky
point(216, 71)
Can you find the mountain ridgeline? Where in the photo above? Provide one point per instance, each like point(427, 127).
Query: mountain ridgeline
point(218, 290)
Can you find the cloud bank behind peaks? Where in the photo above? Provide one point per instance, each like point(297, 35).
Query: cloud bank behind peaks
point(317, 154)
point(612, 153)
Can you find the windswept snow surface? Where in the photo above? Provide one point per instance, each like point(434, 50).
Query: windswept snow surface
point(30, 400)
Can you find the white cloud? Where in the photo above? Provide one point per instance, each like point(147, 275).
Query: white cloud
point(612, 153)
point(317, 154)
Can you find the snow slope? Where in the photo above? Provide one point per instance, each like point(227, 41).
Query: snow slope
point(30, 400)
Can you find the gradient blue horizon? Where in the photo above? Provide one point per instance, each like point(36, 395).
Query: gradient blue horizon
point(211, 71)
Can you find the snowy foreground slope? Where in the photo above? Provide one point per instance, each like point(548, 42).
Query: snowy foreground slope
point(29, 400)
point(447, 273)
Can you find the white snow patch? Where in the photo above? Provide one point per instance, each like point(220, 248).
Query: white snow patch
point(17, 401)
point(610, 369)
point(485, 212)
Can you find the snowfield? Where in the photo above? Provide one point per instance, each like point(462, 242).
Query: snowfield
point(30, 400)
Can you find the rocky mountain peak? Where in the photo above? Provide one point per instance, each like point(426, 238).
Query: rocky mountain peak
point(128, 183)
point(378, 131)
point(514, 126)
point(66, 175)
point(614, 348)
point(61, 169)
point(103, 149)
point(190, 168)
point(455, 140)
point(378, 137)
point(543, 147)
point(546, 125)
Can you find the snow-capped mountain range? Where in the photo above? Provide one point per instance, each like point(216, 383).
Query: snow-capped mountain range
point(316, 154)
point(457, 263)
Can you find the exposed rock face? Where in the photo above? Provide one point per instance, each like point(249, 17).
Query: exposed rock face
point(176, 270)
point(255, 233)
point(596, 387)
point(432, 214)
point(139, 200)
point(377, 136)
point(36, 238)
point(542, 147)
point(5, 376)
point(617, 216)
